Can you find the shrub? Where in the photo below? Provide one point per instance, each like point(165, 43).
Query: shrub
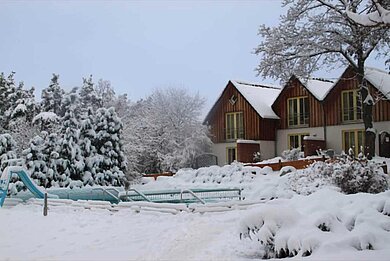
point(354, 176)
point(293, 154)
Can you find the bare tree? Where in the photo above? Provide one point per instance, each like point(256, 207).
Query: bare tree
point(317, 33)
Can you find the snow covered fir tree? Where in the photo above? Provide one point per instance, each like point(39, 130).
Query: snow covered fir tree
point(91, 136)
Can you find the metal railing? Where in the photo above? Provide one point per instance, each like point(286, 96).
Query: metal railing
point(183, 195)
point(139, 193)
point(192, 193)
point(105, 191)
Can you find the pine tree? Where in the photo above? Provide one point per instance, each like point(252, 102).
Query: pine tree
point(70, 161)
point(7, 89)
point(50, 150)
point(112, 161)
point(20, 116)
point(87, 141)
point(36, 161)
point(52, 97)
point(7, 149)
point(88, 96)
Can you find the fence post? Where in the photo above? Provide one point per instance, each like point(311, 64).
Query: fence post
point(45, 205)
point(280, 164)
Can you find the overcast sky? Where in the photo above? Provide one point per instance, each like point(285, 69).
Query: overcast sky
point(137, 45)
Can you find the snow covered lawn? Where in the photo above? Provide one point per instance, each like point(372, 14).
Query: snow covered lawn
point(74, 233)
point(327, 223)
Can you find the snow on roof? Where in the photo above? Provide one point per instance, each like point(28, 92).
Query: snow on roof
point(260, 96)
point(380, 79)
point(318, 88)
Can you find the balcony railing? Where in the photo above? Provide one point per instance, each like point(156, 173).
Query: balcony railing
point(234, 134)
point(298, 119)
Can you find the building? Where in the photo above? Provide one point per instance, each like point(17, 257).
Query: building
point(306, 114)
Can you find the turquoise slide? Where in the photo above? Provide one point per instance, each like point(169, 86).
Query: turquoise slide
point(25, 178)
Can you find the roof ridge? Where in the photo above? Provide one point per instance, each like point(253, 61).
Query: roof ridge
point(269, 86)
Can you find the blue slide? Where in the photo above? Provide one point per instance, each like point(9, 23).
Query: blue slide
point(25, 178)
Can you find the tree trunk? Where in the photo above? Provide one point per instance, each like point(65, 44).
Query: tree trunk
point(367, 105)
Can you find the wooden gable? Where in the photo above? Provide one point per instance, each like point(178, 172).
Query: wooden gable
point(349, 81)
point(255, 127)
point(294, 88)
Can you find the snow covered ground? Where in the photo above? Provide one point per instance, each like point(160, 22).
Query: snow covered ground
point(333, 226)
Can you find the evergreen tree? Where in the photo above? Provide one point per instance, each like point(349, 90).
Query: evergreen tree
point(50, 150)
point(89, 98)
point(7, 149)
point(7, 89)
point(36, 161)
point(20, 116)
point(111, 160)
point(52, 97)
point(87, 140)
point(70, 161)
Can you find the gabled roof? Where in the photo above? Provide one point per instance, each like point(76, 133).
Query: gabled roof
point(380, 79)
point(316, 87)
point(260, 96)
point(319, 88)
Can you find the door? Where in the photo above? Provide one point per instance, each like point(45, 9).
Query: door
point(384, 144)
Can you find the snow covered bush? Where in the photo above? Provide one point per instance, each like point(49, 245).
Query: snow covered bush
point(235, 175)
point(359, 176)
point(293, 154)
point(272, 227)
point(325, 221)
point(307, 181)
point(351, 176)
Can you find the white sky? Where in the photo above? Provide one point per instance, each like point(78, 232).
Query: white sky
point(137, 45)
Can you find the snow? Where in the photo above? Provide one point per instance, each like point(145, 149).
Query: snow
point(380, 79)
point(317, 87)
point(312, 137)
point(260, 96)
point(46, 116)
point(300, 211)
point(248, 141)
point(371, 19)
point(20, 108)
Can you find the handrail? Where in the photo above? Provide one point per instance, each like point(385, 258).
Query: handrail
point(192, 193)
point(109, 193)
point(139, 193)
point(114, 189)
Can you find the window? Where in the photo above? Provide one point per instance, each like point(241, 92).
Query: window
point(234, 126)
point(353, 139)
point(351, 105)
point(296, 140)
point(231, 154)
point(298, 111)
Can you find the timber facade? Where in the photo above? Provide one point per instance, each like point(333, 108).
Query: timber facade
point(254, 127)
point(315, 114)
